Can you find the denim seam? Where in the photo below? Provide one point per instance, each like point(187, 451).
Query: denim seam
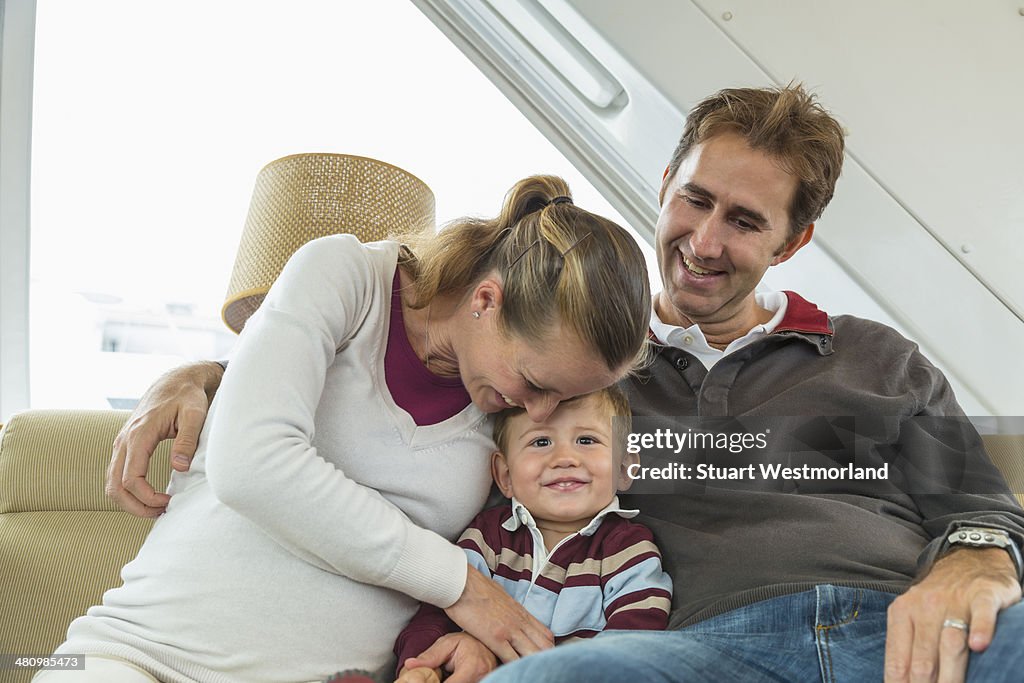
point(823, 631)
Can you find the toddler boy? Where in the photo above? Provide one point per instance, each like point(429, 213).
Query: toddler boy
point(563, 548)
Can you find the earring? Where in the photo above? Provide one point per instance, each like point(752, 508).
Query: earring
point(476, 314)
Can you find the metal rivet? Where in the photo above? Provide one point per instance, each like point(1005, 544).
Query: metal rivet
point(966, 248)
point(728, 15)
point(682, 363)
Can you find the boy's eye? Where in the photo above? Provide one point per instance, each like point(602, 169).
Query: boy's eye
point(586, 440)
point(541, 442)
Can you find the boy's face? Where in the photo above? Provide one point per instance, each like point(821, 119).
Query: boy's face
point(562, 469)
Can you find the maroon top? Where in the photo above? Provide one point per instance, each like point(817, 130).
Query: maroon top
point(427, 397)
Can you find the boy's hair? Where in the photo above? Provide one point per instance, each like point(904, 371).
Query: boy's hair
point(786, 123)
point(613, 398)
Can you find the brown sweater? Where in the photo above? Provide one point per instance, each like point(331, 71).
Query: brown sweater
point(729, 547)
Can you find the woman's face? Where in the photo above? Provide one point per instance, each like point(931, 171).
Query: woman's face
point(501, 371)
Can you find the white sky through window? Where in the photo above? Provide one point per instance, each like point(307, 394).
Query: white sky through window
point(151, 120)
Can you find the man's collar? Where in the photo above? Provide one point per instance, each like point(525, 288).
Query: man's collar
point(800, 316)
point(521, 516)
point(803, 316)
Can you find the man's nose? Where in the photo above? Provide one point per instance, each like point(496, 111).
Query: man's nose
point(706, 239)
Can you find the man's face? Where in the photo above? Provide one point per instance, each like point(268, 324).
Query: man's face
point(724, 220)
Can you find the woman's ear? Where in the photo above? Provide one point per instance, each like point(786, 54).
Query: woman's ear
point(500, 473)
point(487, 296)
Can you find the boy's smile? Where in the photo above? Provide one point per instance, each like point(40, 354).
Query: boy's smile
point(562, 469)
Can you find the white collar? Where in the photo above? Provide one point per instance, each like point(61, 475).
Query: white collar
point(692, 340)
point(521, 516)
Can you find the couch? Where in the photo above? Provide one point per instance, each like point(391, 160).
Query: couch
point(63, 542)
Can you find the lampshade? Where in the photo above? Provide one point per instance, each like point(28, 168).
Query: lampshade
point(305, 196)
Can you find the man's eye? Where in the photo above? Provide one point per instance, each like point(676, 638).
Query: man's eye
point(694, 201)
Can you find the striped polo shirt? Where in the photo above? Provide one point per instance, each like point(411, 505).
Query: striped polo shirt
point(607, 575)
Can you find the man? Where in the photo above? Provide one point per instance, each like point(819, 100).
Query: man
point(769, 585)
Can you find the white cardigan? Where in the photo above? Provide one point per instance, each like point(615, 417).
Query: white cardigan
point(297, 544)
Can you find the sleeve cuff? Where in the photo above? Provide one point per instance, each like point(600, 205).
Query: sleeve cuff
point(429, 569)
point(939, 546)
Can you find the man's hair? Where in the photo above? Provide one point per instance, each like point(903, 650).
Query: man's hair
point(613, 400)
point(786, 123)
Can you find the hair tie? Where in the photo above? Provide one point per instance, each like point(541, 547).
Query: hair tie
point(561, 199)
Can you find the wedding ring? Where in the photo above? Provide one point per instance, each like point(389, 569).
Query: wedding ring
point(955, 623)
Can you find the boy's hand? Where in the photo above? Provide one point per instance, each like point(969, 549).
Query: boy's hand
point(465, 658)
point(419, 674)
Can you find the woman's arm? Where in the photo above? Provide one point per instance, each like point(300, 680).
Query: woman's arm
point(261, 461)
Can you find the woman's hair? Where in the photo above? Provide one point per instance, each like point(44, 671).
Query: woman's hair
point(557, 263)
point(789, 125)
point(612, 398)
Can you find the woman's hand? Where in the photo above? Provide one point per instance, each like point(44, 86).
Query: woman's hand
point(499, 622)
point(174, 407)
point(465, 658)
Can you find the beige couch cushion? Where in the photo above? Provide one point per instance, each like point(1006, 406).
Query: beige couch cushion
point(62, 541)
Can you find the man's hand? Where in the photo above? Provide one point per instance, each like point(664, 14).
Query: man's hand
point(465, 658)
point(419, 674)
point(969, 584)
point(174, 407)
point(502, 624)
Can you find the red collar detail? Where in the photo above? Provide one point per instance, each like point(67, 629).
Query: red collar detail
point(803, 316)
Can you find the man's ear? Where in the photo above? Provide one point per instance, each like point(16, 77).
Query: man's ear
point(625, 481)
point(794, 245)
point(664, 185)
point(499, 472)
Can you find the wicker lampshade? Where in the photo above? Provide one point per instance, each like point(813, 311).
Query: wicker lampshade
point(304, 196)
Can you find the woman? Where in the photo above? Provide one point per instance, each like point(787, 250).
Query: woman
point(348, 444)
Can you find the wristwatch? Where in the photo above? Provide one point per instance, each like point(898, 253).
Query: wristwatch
point(984, 537)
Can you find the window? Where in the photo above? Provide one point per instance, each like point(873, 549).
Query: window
point(150, 123)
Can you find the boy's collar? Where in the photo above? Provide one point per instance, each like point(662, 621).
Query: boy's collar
point(521, 516)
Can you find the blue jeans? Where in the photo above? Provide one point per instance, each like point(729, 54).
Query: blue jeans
point(829, 634)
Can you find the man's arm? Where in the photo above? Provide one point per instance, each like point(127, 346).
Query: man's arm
point(174, 407)
point(969, 585)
